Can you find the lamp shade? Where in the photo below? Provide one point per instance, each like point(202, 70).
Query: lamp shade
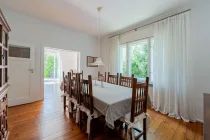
point(98, 62)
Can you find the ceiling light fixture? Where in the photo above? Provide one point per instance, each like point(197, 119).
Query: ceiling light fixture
point(99, 60)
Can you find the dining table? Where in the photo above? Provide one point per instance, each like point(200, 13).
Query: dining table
point(112, 101)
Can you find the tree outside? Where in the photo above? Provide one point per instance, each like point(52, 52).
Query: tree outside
point(139, 61)
point(48, 66)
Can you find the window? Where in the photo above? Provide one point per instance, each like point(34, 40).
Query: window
point(139, 59)
point(135, 58)
point(20, 52)
point(51, 65)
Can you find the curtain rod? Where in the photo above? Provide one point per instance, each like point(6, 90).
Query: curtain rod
point(151, 23)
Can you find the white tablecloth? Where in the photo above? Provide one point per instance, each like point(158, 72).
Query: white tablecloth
point(113, 101)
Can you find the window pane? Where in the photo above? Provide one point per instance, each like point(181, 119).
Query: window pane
point(139, 59)
point(3, 77)
point(4, 39)
point(21, 52)
point(4, 59)
point(123, 60)
point(51, 65)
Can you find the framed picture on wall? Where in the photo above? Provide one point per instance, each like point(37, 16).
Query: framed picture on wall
point(90, 60)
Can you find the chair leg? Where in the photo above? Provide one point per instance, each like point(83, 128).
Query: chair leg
point(80, 120)
point(64, 102)
point(126, 127)
point(131, 133)
point(106, 132)
point(72, 106)
point(90, 135)
point(71, 113)
point(145, 129)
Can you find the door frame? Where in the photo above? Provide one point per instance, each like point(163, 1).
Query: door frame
point(33, 96)
point(42, 65)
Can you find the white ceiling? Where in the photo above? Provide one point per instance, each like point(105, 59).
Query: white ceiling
point(81, 15)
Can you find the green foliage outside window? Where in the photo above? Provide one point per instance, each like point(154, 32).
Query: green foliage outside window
point(139, 61)
point(48, 65)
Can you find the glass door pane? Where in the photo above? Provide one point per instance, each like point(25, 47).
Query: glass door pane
point(20, 52)
point(4, 73)
point(48, 66)
point(139, 58)
point(51, 66)
point(57, 67)
point(4, 38)
point(4, 57)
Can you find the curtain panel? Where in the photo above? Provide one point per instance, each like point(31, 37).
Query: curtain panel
point(172, 88)
point(114, 55)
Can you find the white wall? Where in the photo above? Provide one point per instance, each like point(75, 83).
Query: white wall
point(199, 52)
point(37, 33)
point(68, 60)
point(200, 43)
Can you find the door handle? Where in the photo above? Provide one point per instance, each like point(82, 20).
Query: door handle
point(31, 70)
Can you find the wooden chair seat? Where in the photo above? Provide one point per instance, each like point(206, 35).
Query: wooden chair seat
point(138, 119)
point(87, 120)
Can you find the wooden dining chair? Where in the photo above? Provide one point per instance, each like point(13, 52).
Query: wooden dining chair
point(126, 81)
point(113, 79)
point(86, 103)
point(79, 73)
point(138, 107)
point(73, 93)
point(102, 75)
point(65, 89)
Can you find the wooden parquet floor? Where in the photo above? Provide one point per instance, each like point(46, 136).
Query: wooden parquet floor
point(46, 120)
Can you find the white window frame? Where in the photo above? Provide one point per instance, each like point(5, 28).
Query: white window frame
point(128, 57)
point(120, 60)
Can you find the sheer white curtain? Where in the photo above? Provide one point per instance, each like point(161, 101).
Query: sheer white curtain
point(114, 55)
point(172, 87)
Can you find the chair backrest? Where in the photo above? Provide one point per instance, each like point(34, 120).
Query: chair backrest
point(102, 75)
point(70, 84)
point(86, 94)
point(79, 73)
point(126, 81)
point(65, 82)
point(73, 85)
point(113, 79)
point(139, 98)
